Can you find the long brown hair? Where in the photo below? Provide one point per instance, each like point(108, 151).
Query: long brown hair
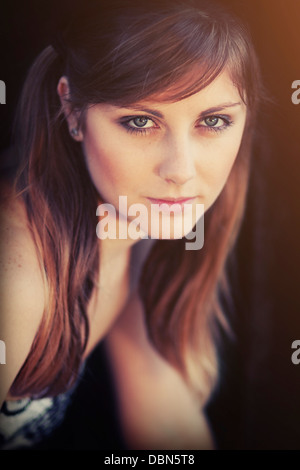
point(122, 53)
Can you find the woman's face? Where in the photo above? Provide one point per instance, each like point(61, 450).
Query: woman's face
point(161, 151)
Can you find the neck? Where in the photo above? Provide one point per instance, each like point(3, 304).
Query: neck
point(114, 250)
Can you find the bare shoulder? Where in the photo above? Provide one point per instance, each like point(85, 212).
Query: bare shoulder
point(158, 410)
point(21, 289)
point(18, 254)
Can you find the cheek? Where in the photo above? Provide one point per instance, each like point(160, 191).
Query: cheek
point(114, 164)
point(101, 158)
point(219, 162)
point(227, 158)
point(108, 164)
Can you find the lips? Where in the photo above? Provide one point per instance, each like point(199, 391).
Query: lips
point(175, 205)
point(170, 201)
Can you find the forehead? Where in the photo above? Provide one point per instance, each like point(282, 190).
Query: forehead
point(220, 93)
point(221, 90)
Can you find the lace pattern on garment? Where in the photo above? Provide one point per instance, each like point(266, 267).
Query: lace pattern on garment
point(26, 422)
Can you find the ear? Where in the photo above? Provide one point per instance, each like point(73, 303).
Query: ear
point(63, 91)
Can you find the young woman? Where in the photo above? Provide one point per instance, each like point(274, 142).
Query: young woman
point(154, 102)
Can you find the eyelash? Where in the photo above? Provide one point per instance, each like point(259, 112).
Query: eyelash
point(144, 131)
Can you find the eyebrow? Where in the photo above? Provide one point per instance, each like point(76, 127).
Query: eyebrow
point(158, 114)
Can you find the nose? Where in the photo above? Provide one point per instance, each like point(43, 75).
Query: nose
point(177, 165)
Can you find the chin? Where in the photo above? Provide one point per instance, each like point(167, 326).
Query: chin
point(170, 228)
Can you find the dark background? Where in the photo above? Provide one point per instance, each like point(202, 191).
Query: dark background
point(257, 403)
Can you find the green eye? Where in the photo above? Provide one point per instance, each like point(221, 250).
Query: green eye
point(211, 121)
point(140, 121)
point(215, 123)
point(140, 125)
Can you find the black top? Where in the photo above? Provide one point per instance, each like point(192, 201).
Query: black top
point(92, 418)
